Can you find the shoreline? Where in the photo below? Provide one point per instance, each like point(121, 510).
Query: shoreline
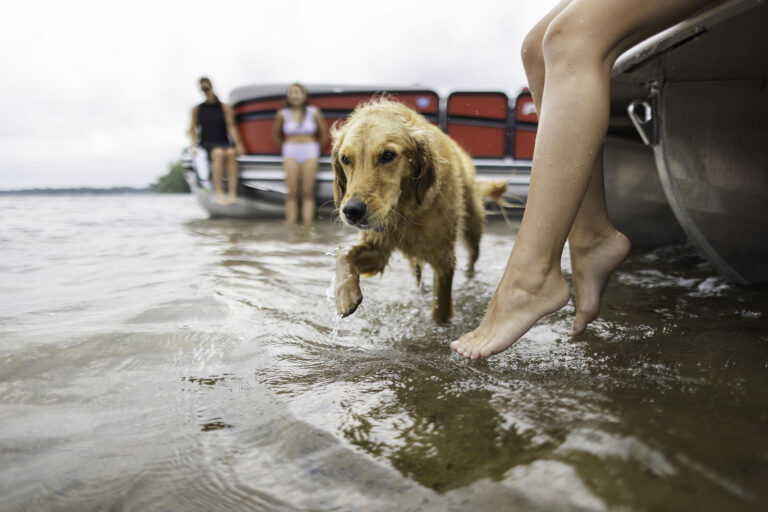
point(77, 191)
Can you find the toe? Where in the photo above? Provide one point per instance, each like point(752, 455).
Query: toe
point(579, 324)
point(583, 317)
point(461, 344)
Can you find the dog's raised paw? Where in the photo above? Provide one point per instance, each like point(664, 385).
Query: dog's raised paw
point(348, 297)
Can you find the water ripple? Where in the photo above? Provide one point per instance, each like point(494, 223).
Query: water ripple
point(152, 359)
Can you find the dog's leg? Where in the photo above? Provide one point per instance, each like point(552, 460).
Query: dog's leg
point(416, 268)
point(473, 231)
point(442, 307)
point(350, 263)
point(347, 288)
point(474, 222)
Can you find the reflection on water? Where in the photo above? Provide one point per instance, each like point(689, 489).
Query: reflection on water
point(152, 359)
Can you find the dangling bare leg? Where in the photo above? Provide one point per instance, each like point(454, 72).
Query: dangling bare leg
point(217, 168)
point(291, 169)
point(232, 176)
point(308, 179)
point(596, 246)
point(580, 45)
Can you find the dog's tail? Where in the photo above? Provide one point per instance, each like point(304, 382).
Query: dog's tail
point(493, 191)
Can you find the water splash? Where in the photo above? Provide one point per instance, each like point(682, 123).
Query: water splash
point(330, 296)
point(336, 324)
point(329, 292)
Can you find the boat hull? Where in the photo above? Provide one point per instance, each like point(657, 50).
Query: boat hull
point(697, 96)
point(261, 187)
point(635, 197)
point(716, 178)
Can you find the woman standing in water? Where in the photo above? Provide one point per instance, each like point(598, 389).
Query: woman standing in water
point(218, 135)
point(300, 130)
point(568, 57)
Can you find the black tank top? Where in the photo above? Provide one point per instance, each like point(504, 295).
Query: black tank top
point(213, 127)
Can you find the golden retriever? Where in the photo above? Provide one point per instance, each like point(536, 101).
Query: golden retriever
point(406, 185)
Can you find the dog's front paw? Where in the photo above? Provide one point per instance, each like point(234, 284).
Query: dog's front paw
point(348, 295)
point(347, 288)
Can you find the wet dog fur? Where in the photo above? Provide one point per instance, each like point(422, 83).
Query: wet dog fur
point(405, 185)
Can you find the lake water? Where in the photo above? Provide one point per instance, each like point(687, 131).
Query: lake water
point(152, 359)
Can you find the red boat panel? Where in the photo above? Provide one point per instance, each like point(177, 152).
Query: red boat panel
point(265, 105)
point(479, 141)
point(426, 102)
point(478, 122)
point(525, 109)
point(257, 137)
point(525, 138)
point(483, 105)
point(526, 121)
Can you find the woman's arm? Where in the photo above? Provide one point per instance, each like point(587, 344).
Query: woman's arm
point(277, 129)
point(193, 128)
point(232, 129)
point(322, 130)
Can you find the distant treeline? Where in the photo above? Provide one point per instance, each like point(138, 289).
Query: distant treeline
point(74, 191)
point(172, 183)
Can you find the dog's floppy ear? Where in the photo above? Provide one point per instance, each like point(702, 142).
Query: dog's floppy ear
point(339, 178)
point(425, 173)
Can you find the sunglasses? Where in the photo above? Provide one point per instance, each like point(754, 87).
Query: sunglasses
point(205, 88)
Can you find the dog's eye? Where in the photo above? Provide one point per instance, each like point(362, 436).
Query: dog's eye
point(388, 156)
point(344, 160)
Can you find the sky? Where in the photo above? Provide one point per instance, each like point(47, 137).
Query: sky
point(99, 94)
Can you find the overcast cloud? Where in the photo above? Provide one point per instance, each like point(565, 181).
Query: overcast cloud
point(99, 93)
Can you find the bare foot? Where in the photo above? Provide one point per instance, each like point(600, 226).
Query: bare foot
point(231, 200)
point(221, 199)
point(592, 267)
point(515, 307)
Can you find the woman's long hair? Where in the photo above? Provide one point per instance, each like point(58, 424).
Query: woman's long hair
point(304, 104)
point(206, 80)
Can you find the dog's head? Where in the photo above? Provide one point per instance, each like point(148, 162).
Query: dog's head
point(384, 164)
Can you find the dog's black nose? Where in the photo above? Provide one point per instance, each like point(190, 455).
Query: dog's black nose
point(354, 210)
